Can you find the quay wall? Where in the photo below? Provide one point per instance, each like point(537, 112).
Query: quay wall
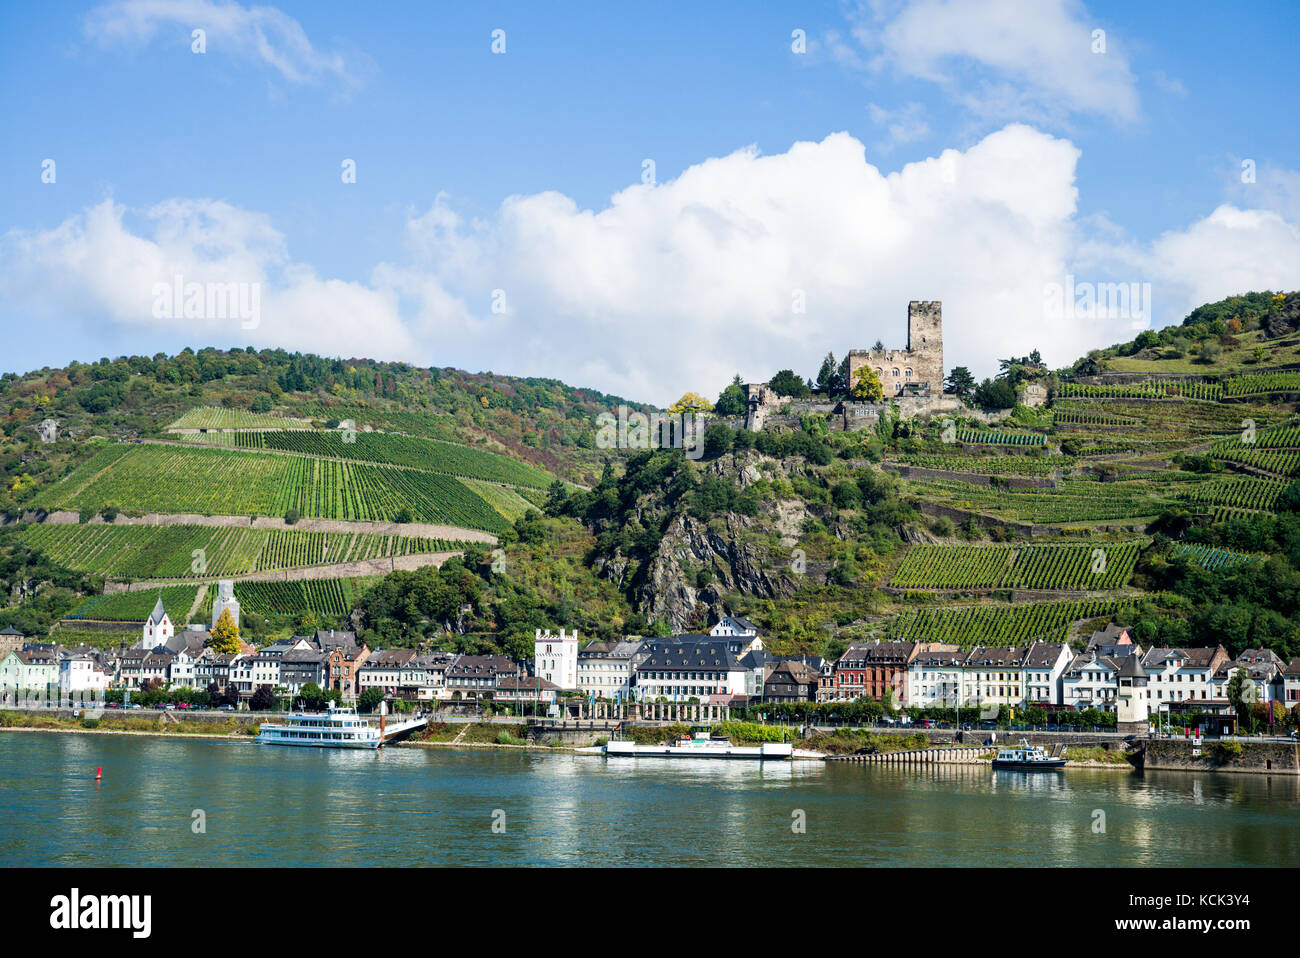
point(1260, 758)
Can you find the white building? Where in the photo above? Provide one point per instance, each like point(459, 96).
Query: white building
point(80, 676)
point(704, 670)
point(1090, 682)
point(605, 669)
point(1044, 666)
point(158, 629)
point(225, 600)
point(1182, 675)
point(28, 672)
point(742, 635)
point(556, 658)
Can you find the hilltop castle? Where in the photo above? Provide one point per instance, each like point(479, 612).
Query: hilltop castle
point(911, 377)
point(916, 370)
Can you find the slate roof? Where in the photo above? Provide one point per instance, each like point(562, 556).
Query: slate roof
point(708, 652)
point(158, 613)
point(1043, 655)
point(858, 656)
point(994, 656)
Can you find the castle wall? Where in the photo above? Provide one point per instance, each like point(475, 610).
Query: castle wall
point(920, 362)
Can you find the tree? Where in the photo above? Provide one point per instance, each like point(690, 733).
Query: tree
point(960, 382)
point(557, 497)
point(866, 385)
point(826, 376)
point(369, 699)
point(224, 638)
point(995, 394)
point(786, 383)
point(313, 697)
point(690, 403)
point(263, 699)
point(732, 400)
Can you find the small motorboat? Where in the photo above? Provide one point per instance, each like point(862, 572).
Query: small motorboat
point(1028, 758)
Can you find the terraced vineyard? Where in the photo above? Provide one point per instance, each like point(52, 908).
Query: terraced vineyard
point(1073, 567)
point(1211, 557)
point(1281, 462)
point(136, 606)
point(1162, 389)
point(1076, 500)
point(435, 456)
point(1242, 492)
point(985, 437)
point(331, 598)
point(214, 417)
point(1050, 566)
point(171, 479)
point(992, 465)
point(952, 567)
point(136, 552)
point(1001, 624)
point(1261, 384)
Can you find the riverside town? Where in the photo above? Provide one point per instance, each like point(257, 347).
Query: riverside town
point(759, 436)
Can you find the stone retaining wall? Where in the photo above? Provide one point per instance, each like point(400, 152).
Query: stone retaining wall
point(1260, 758)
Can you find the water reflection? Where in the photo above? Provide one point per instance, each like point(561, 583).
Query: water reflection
point(411, 806)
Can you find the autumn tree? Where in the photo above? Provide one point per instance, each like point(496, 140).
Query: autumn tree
point(225, 635)
point(866, 385)
point(690, 403)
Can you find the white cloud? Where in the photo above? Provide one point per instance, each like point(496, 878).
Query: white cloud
point(259, 33)
point(1024, 59)
point(903, 125)
point(679, 285)
point(92, 269)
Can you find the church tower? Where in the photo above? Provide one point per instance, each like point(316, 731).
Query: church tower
point(158, 629)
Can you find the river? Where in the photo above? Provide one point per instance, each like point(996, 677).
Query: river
point(267, 806)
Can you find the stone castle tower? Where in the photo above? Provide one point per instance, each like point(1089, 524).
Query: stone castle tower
point(919, 367)
point(225, 600)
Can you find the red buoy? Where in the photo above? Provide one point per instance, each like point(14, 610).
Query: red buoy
point(99, 773)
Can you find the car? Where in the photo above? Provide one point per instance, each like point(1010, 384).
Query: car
point(226, 707)
point(182, 705)
point(867, 750)
point(115, 705)
point(133, 705)
point(168, 707)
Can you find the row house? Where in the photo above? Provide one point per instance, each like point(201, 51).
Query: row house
point(33, 669)
point(1182, 675)
point(383, 670)
point(82, 675)
point(605, 670)
point(877, 670)
point(1260, 667)
point(792, 681)
point(344, 659)
point(703, 669)
point(943, 675)
point(471, 676)
point(302, 667)
point(526, 690)
point(424, 677)
point(1290, 680)
point(139, 667)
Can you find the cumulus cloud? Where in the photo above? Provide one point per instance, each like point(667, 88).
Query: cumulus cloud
point(93, 269)
point(1025, 59)
point(745, 263)
point(265, 34)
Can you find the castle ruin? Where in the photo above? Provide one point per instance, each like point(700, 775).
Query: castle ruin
point(916, 370)
point(912, 379)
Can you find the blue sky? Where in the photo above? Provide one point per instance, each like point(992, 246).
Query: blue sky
point(1114, 165)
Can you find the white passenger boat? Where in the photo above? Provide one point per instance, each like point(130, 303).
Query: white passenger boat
point(701, 744)
point(337, 727)
point(1026, 757)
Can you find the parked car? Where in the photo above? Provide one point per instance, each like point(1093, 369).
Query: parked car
point(133, 705)
point(168, 707)
point(182, 705)
point(114, 705)
point(868, 750)
point(226, 707)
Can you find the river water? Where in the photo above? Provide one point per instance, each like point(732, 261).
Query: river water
point(267, 806)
